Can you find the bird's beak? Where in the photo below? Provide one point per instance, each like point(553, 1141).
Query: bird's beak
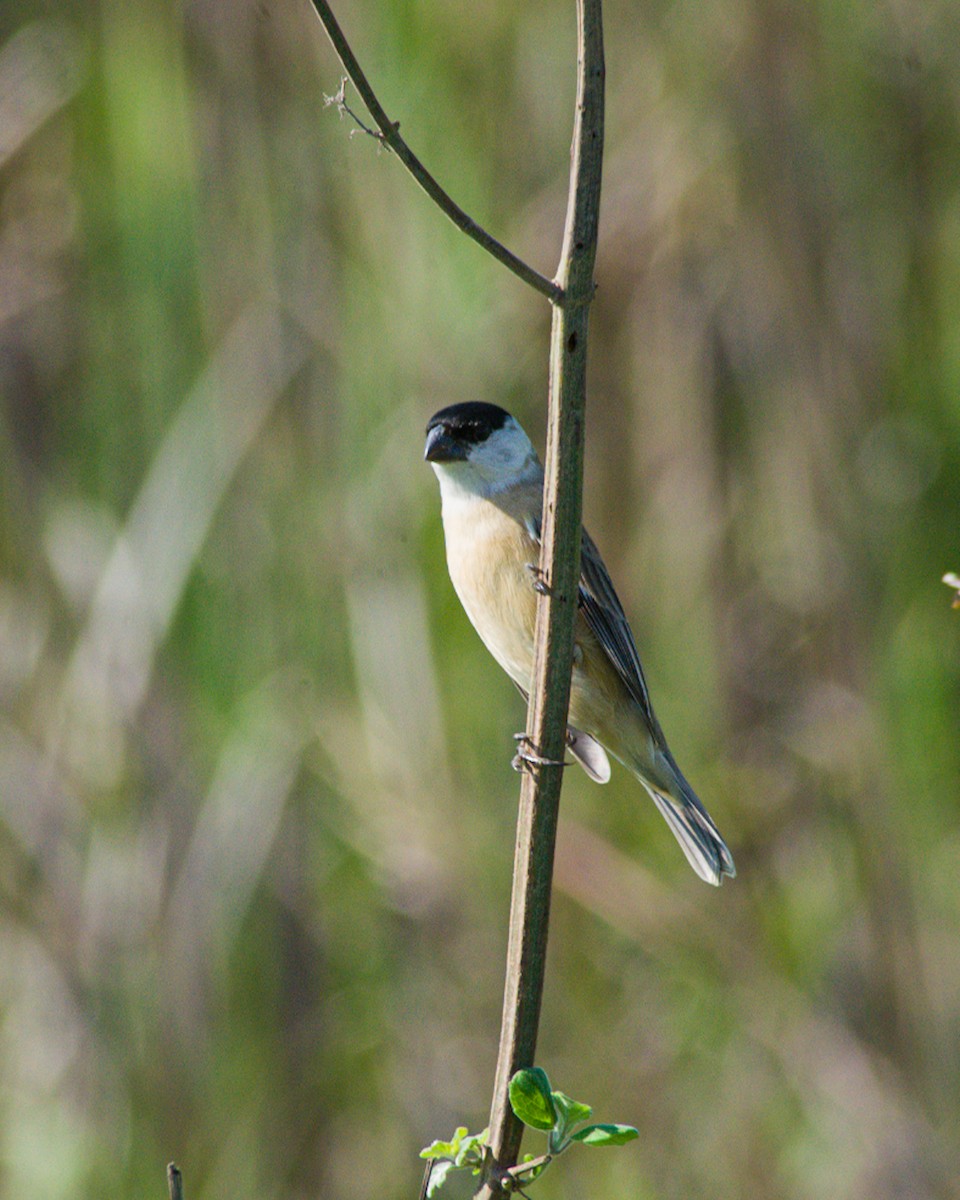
point(441, 447)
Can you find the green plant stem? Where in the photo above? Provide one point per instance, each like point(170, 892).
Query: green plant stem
point(389, 135)
point(557, 609)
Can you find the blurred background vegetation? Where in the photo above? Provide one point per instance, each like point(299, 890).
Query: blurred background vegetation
point(256, 812)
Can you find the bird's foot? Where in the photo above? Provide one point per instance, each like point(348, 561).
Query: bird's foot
point(540, 585)
point(526, 757)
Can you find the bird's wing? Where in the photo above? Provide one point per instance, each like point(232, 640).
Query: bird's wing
point(604, 615)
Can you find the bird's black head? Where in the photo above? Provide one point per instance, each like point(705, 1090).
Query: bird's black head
point(454, 431)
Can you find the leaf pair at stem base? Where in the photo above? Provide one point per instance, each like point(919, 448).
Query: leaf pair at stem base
point(537, 1105)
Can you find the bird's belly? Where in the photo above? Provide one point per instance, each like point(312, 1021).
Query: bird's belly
point(504, 616)
point(490, 573)
point(489, 555)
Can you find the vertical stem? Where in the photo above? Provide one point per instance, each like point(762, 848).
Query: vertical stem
point(174, 1182)
point(557, 610)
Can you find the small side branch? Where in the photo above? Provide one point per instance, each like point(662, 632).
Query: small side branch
point(389, 135)
point(340, 100)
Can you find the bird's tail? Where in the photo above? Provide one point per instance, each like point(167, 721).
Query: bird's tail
point(691, 824)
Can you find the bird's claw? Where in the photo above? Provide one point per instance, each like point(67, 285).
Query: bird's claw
point(526, 758)
point(540, 585)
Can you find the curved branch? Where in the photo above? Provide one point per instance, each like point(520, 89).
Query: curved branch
point(389, 135)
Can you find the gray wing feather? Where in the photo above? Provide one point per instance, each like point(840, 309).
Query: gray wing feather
point(604, 614)
point(688, 819)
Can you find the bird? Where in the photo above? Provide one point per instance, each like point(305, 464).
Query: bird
point(491, 494)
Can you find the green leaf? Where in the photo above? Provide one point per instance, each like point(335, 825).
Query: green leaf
point(469, 1157)
point(471, 1150)
point(531, 1099)
point(447, 1149)
point(437, 1150)
point(438, 1176)
point(605, 1135)
point(571, 1111)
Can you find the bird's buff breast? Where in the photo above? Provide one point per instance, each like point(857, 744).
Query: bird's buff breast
point(488, 552)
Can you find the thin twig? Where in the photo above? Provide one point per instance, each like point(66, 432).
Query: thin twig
point(532, 1164)
point(557, 606)
point(174, 1182)
point(340, 100)
point(390, 136)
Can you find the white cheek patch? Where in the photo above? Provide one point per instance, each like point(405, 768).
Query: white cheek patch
point(505, 460)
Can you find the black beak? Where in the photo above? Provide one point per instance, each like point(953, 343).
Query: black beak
point(441, 447)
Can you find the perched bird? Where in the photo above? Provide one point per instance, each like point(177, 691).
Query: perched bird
point(491, 490)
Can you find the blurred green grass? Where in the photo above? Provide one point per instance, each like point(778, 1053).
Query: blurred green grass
point(256, 820)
